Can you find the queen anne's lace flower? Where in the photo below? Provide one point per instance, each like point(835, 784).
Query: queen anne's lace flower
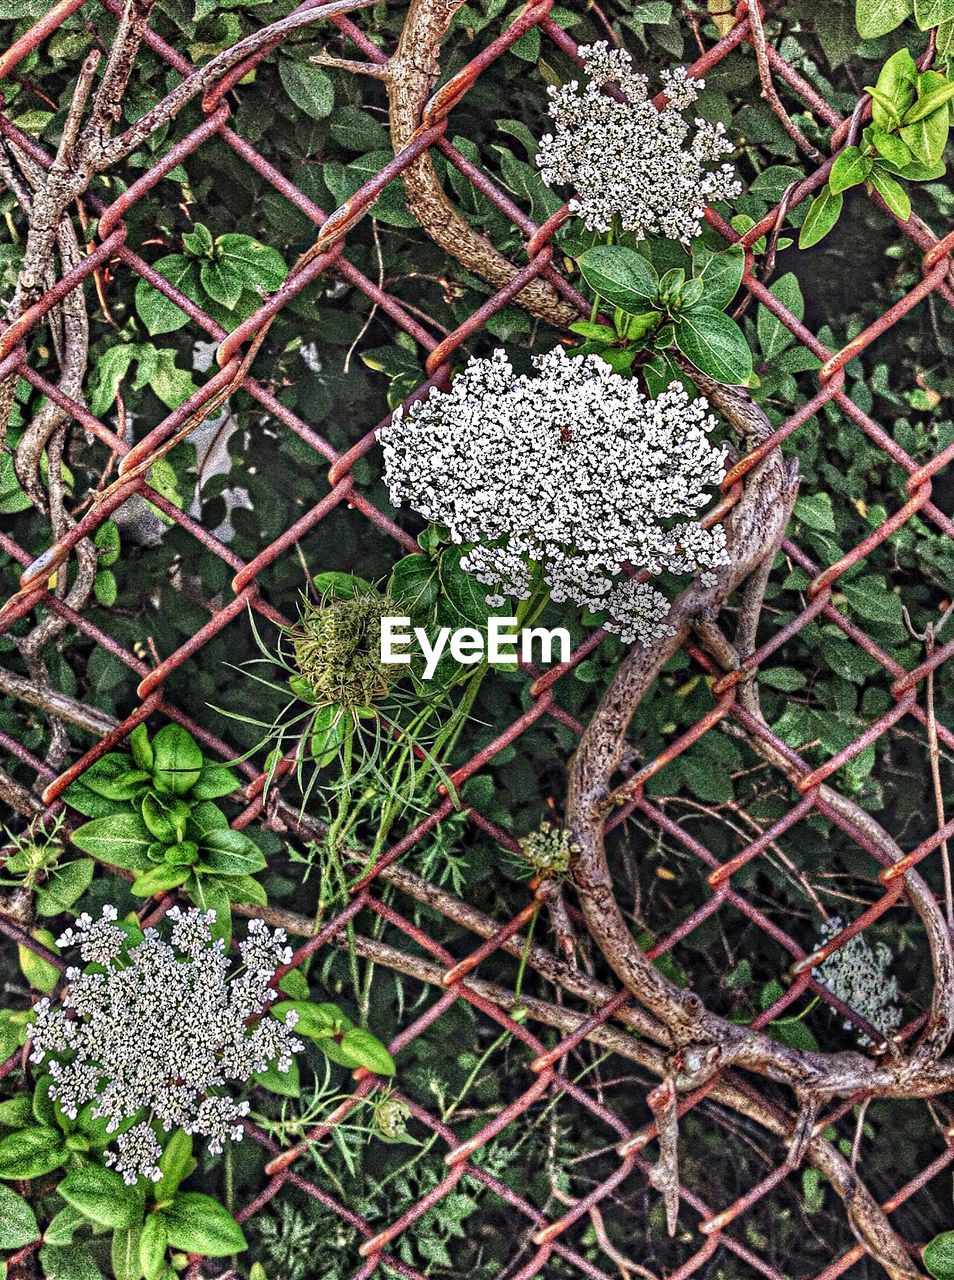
point(626, 158)
point(160, 1035)
point(137, 1154)
point(857, 973)
point(574, 471)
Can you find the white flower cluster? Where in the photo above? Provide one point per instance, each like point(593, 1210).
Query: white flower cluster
point(857, 973)
point(157, 1028)
point(574, 471)
point(628, 159)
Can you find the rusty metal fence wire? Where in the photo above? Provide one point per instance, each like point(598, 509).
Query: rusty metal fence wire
point(715, 1226)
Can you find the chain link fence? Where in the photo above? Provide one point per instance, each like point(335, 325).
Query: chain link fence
point(449, 951)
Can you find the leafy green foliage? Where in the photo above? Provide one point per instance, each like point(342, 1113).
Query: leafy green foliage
point(878, 17)
point(682, 308)
point(334, 360)
point(906, 140)
point(227, 276)
point(938, 1255)
point(160, 822)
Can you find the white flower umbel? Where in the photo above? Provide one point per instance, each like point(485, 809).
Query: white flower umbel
point(574, 471)
point(857, 973)
point(648, 167)
point(162, 1031)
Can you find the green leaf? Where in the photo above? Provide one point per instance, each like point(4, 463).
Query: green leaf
point(64, 886)
point(414, 582)
point(156, 311)
point(691, 293)
point(931, 13)
point(31, 1153)
point(12, 497)
point(101, 1196)
point(927, 137)
point(175, 1165)
point(938, 1255)
point(720, 273)
point(171, 384)
point(896, 87)
point(183, 854)
point(153, 1242)
point(159, 880)
point(165, 817)
point(211, 895)
point(245, 890)
point(124, 1253)
point(815, 511)
point(111, 368)
point(215, 780)
point(595, 332)
point(890, 146)
point(63, 1226)
point(715, 345)
point(295, 985)
point(930, 102)
point(198, 1224)
point(286, 1084)
point(141, 747)
point(122, 839)
point(75, 1262)
point(308, 87)
point(112, 777)
point(199, 241)
point(362, 1049)
point(205, 817)
point(892, 193)
point(44, 1108)
point(230, 853)
point(16, 1112)
point(315, 1021)
point(178, 759)
point(914, 171)
point(165, 481)
point(883, 110)
point(333, 585)
point(786, 679)
point(774, 336)
point(104, 588)
point(636, 329)
point(18, 1225)
point(40, 974)
point(464, 595)
point(221, 283)
point(793, 1032)
point(878, 17)
point(258, 266)
point(945, 43)
point(822, 215)
point(872, 598)
point(851, 168)
point(620, 276)
point(390, 206)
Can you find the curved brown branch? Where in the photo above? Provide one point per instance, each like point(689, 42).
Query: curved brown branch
point(867, 1218)
point(413, 72)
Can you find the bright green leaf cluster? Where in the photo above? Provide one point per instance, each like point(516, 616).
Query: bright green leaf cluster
point(153, 813)
point(227, 276)
point(682, 308)
point(910, 119)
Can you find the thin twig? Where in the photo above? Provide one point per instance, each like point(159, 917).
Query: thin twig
point(769, 92)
